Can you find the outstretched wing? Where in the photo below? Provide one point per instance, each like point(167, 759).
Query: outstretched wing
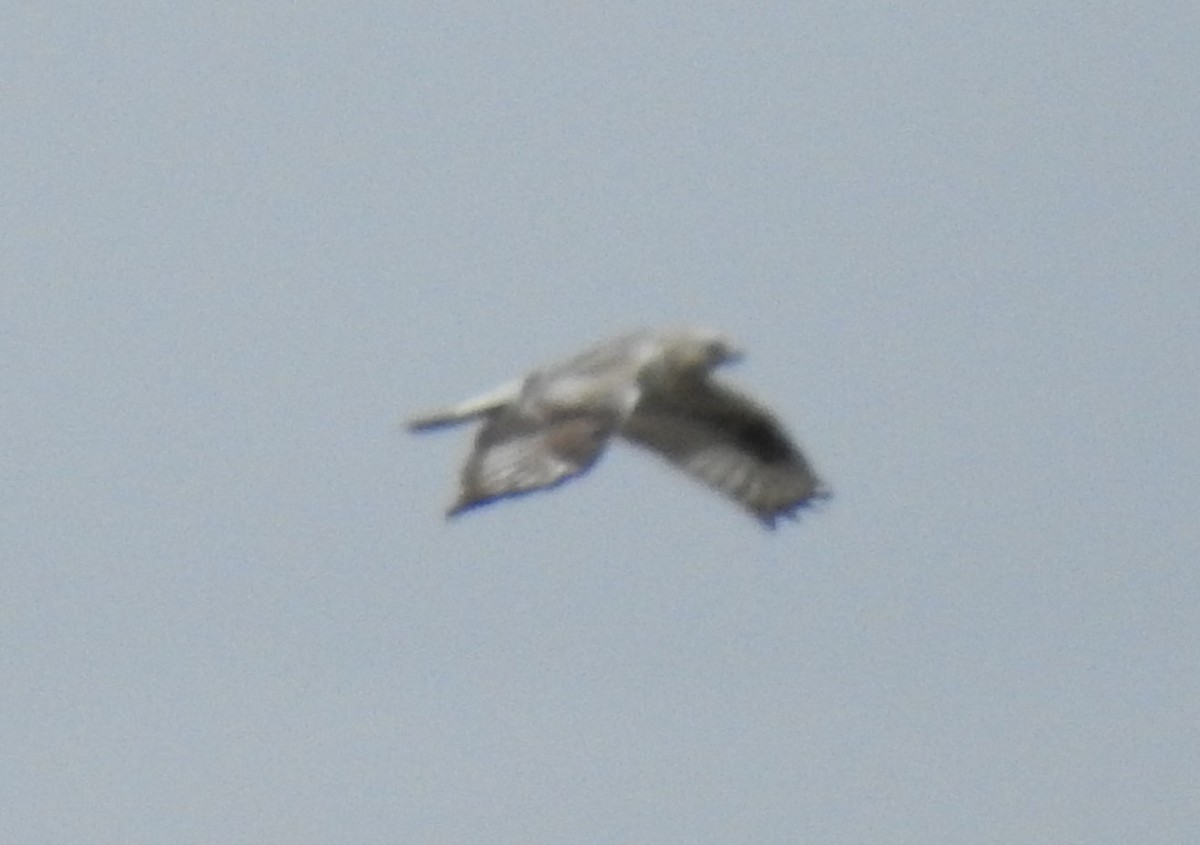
point(729, 442)
point(515, 454)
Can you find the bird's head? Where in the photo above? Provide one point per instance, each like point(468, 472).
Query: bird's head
point(699, 350)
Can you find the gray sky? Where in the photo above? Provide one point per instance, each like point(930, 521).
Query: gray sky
point(959, 243)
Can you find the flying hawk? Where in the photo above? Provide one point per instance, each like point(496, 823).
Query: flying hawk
point(651, 388)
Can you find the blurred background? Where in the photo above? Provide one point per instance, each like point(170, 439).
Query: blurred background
point(241, 243)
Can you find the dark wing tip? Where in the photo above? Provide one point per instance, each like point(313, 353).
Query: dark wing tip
point(467, 502)
point(792, 510)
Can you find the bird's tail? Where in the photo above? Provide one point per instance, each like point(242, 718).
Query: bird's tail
point(465, 411)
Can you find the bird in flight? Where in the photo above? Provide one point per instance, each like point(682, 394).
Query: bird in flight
point(653, 389)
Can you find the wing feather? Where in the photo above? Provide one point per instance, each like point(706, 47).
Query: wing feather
point(514, 455)
point(728, 442)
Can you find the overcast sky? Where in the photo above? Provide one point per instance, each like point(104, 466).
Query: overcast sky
point(241, 242)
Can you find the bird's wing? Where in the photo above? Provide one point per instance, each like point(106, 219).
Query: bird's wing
point(516, 454)
point(727, 441)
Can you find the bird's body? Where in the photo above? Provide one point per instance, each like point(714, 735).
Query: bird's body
point(652, 389)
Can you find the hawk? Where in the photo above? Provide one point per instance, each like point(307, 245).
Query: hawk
point(653, 389)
